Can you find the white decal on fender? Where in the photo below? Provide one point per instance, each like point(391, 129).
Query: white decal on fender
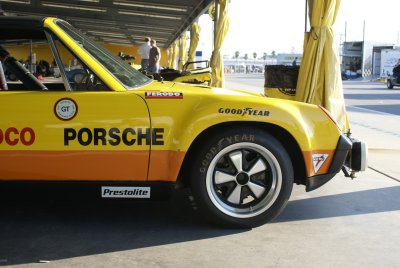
point(319, 160)
point(65, 109)
point(125, 192)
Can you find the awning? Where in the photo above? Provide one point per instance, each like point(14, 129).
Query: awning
point(118, 21)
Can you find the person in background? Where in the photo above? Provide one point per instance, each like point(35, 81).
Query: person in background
point(144, 52)
point(154, 57)
point(294, 63)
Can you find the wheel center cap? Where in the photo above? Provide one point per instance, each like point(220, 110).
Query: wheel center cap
point(242, 178)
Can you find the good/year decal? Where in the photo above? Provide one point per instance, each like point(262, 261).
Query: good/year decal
point(244, 111)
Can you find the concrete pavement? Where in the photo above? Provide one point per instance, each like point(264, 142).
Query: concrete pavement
point(382, 133)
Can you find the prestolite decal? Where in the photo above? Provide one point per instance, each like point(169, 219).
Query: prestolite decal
point(125, 192)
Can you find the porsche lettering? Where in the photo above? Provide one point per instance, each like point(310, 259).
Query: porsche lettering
point(12, 136)
point(114, 136)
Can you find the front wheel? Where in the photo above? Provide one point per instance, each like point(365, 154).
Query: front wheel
point(242, 178)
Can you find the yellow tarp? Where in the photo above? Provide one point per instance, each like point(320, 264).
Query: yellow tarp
point(195, 78)
point(175, 52)
point(169, 57)
point(194, 41)
point(319, 79)
point(216, 63)
point(182, 52)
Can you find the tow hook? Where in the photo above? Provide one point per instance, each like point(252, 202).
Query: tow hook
point(351, 174)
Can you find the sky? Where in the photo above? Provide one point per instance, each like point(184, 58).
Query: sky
point(266, 25)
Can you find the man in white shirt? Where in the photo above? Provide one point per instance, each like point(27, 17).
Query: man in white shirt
point(154, 58)
point(144, 51)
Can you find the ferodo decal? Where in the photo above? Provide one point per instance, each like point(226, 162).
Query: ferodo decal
point(243, 112)
point(13, 136)
point(164, 95)
point(125, 192)
point(319, 160)
point(114, 136)
point(65, 109)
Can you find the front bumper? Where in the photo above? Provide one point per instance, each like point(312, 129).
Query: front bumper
point(350, 156)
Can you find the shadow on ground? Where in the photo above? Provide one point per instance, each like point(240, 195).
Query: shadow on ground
point(53, 230)
point(340, 205)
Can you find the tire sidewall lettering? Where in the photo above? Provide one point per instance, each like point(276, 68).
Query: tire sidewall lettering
point(222, 143)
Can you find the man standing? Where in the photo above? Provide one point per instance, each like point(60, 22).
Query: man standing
point(144, 52)
point(294, 62)
point(154, 58)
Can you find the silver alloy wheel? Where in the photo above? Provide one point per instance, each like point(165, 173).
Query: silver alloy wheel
point(244, 180)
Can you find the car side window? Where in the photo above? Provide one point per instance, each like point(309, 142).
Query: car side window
point(78, 75)
point(20, 74)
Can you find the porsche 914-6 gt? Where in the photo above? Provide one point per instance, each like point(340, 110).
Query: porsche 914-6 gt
point(239, 152)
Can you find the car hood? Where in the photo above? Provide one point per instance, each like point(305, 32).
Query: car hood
point(191, 89)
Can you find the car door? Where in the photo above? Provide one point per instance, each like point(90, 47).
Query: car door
point(88, 133)
point(73, 136)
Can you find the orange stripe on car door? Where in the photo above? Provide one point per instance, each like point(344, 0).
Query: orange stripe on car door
point(89, 165)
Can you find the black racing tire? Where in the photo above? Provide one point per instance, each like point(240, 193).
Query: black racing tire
point(242, 178)
point(389, 84)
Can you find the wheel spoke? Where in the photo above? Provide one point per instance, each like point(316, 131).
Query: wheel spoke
point(256, 189)
point(259, 166)
point(221, 177)
point(235, 196)
point(237, 160)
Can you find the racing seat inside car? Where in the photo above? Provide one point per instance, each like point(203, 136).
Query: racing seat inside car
point(29, 81)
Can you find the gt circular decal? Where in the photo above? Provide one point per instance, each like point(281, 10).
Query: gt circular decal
point(66, 109)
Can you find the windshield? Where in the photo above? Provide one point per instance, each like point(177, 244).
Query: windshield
point(121, 70)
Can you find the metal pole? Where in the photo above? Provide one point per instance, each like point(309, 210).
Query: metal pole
point(30, 58)
point(305, 19)
point(216, 12)
point(363, 53)
point(345, 31)
point(364, 31)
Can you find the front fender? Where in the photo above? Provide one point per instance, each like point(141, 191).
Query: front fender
point(186, 118)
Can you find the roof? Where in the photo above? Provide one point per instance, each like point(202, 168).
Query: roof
point(27, 27)
point(118, 21)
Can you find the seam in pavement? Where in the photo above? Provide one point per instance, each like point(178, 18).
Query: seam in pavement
point(384, 174)
point(355, 107)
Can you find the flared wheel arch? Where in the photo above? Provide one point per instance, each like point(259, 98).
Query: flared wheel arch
point(283, 136)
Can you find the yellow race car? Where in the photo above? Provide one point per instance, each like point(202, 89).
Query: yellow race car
point(240, 152)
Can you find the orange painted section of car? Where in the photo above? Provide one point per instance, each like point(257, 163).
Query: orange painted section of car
point(165, 165)
point(309, 164)
point(88, 165)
